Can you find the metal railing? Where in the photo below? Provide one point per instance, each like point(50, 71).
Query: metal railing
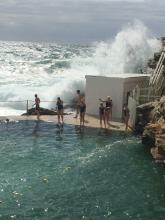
point(157, 79)
point(28, 101)
point(144, 95)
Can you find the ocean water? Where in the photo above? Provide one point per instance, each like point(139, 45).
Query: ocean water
point(73, 174)
point(52, 70)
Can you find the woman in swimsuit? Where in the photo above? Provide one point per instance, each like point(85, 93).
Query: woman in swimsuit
point(126, 115)
point(60, 110)
point(82, 111)
point(102, 114)
point(108, 109)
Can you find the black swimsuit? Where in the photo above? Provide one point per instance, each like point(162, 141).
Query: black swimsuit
point(102, 110)
point(108, 105)
point(37, 104)
point(82, 108)
point(59, 105)
point(37, 107)
point(126, 111)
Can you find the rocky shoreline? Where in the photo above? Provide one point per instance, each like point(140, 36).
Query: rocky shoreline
point(152, 120)
point(43, 111)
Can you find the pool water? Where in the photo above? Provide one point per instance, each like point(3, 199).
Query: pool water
point(72, 174)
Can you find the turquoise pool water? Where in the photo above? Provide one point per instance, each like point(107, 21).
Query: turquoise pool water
point(69, 174)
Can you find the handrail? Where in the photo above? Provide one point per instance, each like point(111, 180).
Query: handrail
point(14, 101)
point(30, 101)
point(27, 102)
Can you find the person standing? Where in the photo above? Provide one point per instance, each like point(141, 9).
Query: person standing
point(78, 101)
point(37, 106)
point(108, 109)
point(82, 111)
point(60, 110)
point(102, 114)
point(126, 115)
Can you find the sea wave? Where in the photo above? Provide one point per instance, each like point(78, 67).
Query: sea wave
point(52, 70)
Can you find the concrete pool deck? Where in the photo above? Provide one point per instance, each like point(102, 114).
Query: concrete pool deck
point(90, 121)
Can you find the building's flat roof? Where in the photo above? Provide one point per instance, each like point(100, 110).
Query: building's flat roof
point(123, 76)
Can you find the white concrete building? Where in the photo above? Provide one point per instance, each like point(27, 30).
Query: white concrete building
point(118, 87)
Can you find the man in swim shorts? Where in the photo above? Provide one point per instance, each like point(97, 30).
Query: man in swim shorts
point(82, 111)
point(78, 101)
point(37, 106)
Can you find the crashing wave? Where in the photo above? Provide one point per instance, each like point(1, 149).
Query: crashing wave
point(57, 70)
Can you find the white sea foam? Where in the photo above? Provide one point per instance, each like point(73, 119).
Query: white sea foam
point(52, 70)
point(129, 51)
point(4, 111)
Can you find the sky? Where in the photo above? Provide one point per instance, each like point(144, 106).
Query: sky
point(76, 21)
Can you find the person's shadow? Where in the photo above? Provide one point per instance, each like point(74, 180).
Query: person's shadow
point(80, 131)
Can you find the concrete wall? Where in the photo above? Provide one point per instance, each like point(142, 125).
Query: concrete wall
point(101, 87)
point(130, 84)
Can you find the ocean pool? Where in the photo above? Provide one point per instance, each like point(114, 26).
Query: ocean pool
point(72, 174)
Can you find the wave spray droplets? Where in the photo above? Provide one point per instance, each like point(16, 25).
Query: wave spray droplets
point(128, 52)
point(53, 70)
